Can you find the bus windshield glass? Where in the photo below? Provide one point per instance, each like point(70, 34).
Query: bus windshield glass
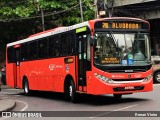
point(121, 49)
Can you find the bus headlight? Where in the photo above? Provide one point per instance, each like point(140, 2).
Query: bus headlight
point(147, 78)
point(104, 79)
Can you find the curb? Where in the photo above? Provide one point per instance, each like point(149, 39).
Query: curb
point(7, 105)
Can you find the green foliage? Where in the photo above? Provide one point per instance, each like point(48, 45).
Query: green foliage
point(21, 18)
point(65, 11)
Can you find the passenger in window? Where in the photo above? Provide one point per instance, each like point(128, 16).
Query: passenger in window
point(138, 51)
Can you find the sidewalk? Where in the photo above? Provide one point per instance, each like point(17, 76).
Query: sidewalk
point(6, 104)
point(5, 87)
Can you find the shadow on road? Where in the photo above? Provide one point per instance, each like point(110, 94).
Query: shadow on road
point(87, 99)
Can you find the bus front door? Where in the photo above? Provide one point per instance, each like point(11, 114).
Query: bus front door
point(17, 67)
point(82, 51)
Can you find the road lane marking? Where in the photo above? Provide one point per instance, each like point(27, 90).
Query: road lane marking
point(26, 105)
point(126, 107)
point(115, 110)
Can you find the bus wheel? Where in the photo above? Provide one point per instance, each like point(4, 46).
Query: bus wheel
point(157, 77)
point(117, 96)
point(70, 92)
point(26, 87)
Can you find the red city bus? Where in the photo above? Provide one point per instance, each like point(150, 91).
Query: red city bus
point(101, 56)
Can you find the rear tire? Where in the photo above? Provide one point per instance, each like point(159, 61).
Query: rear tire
point(26, 87)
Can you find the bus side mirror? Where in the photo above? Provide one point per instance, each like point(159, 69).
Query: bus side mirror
point(92, 40)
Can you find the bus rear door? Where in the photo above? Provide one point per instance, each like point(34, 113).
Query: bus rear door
point(16, 68)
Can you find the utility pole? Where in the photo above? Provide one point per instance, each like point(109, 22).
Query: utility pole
point(81, 10)
point(42, 15)
point(96, 11)
point(101, 7)
point(110, 5)
point(104, 8)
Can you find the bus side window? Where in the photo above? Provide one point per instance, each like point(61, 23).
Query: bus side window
point(88, 48)
point(33, 54)
point(88, 53)
point(42, 48)
point(54, 43)
point(72, 42)
point(51, 47)
point(10, 54)
point(57, 46)
point(24, 52)
point(65, 44)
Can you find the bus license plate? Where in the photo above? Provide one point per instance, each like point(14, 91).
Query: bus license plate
point(129, 88)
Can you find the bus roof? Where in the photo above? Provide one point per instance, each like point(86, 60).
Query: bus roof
point(64, 29)
point(46, 31)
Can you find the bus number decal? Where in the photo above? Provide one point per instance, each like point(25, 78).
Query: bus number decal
point(105, 25)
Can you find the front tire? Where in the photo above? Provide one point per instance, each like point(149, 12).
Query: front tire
point(70, 92)
point(157, 77)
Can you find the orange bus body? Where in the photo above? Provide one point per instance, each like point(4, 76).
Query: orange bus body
point(50, 74)
point(53, 80)
point(48, 78)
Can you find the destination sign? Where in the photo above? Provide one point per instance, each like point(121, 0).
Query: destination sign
point(110, 61)
point(121, 25)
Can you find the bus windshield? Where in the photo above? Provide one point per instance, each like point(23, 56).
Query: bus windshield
point(121, 49)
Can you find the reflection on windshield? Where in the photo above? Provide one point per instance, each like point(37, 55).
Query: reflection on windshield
point(122, 49)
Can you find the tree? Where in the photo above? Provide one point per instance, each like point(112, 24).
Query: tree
point(21, 18)
point(27, 15)
point(65, 12)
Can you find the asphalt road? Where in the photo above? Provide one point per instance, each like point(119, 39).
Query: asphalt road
point(142, 106)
